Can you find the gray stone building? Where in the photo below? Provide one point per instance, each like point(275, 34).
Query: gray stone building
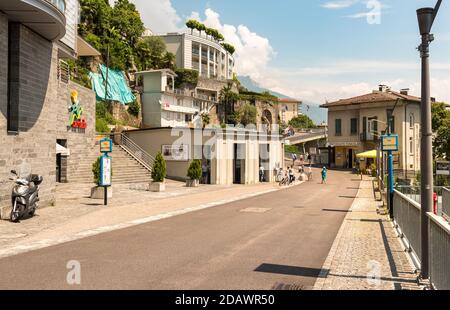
point(35, 38)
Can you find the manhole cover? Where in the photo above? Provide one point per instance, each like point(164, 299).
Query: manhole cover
point(256, 210)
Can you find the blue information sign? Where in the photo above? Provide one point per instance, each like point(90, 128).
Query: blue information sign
point(389, 143)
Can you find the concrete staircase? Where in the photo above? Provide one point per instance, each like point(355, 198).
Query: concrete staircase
point(125, 169)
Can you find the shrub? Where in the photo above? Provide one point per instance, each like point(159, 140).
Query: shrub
point(159, 168)
point(186, 77)
point(134, 108)
point(96, 171)
point(195, 170)
point(101, 126)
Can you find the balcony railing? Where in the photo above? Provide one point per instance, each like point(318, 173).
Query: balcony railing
point(59, 4)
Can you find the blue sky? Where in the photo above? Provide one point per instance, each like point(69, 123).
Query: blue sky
point(319, 50)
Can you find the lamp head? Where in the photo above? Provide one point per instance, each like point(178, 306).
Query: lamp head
point(425, 17)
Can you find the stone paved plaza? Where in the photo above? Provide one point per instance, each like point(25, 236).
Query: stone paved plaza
point(367, 253)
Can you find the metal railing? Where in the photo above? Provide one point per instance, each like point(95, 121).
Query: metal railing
point(446, 202)
point(59, 4)
point(407, 221)
point(439, 242)
point(135, 151)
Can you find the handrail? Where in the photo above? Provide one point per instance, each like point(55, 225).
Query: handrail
point(144, 158)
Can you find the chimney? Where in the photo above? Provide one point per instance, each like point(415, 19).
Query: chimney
point(383, 88)
point(404, 91)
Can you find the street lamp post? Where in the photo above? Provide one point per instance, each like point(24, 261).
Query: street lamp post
point(426, 18)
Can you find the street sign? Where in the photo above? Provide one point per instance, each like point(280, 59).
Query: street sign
point(106, 145)
point(389, 143)
point(105, 171)
point(442, 168)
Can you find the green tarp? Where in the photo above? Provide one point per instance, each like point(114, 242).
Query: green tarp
point(118, 89)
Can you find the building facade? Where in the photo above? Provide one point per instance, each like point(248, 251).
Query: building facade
point(197, 51)
point(356, 125)
point(233, 156)
point(35, 96)
point(288, 109)
point(165, 106)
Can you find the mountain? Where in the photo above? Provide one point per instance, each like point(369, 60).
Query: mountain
point(312, 110)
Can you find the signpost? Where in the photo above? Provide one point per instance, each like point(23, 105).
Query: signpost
point(389, 144)
point(105, 166)
point(443, 168)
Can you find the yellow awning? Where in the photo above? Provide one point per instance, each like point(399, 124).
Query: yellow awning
point(368, 154)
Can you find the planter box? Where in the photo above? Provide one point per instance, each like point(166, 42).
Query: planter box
point(192, 183)
point(157, 187)
point(99, 192)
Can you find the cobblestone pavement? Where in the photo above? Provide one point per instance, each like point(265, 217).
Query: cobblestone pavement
point(367, 253)
point(76, 213)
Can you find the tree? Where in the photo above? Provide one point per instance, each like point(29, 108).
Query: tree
point(206, 119)
point(227, 99)
point(441, 130)
point(127, 19)
point(247, 113)
point(159, 168)
point(134, 108)
point(192, 24)
point(302, 122)
point(229, 48)
point(195, 170)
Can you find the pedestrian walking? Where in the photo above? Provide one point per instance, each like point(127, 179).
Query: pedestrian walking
point(262, 173)
point(310, 174)
point(294, 158)
point(324, 175)
point(291, 175)
point(205, 173)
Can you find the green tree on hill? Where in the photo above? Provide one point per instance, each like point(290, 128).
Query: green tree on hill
point(302, 122)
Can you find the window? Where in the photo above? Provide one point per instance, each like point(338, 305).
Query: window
point(391, 120)
point(411, 120)
point(13, 77)
point(411, 145)
point(338, 127)
point(354, 126)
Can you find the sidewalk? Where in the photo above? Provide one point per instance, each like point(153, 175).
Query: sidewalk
point(367, 254)
point(77, 216)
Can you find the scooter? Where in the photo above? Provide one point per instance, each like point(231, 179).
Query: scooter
point(25, 196)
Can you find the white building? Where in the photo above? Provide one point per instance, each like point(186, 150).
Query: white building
point(200, 52)
point(165, 106)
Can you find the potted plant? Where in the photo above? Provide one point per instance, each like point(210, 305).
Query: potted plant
point(158, 174)
point(98, 192)
point(194, 173)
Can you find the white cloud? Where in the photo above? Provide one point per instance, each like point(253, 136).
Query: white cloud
point(334, 5)
point(253, 52)
point(159, 15)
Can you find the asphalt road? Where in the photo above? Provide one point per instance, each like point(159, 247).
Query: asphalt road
point(282, 244)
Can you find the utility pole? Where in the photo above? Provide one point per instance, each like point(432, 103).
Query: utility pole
point(426, 17)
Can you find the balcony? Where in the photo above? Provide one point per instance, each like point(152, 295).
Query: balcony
point(368, 137)
point(45, 17)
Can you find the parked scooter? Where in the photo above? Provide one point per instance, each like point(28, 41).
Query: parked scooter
point(25, 195)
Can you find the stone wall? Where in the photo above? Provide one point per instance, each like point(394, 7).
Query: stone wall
point(43, 115)
point(80, 142)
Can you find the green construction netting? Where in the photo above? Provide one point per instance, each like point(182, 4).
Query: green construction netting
point(118, 89)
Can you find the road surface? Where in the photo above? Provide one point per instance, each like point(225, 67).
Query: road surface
point(274, 241)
